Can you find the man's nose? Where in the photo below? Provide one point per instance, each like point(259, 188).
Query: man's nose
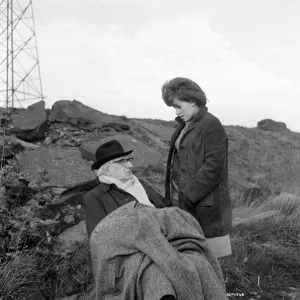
point(177, 111)
point(129, 164)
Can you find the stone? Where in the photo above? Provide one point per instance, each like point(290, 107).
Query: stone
point(248, 215)
point(73, 297)
point(249, 190)
point(115, 126)
point(143, 155)
point(59, 167)
point(285, 199)
point(19, 191)
point(68, 239)
point(76, 113)
point(9, 146)
point(69, 219)
point(74, 196)
point(30, 124)
point(37, 296)
point(161, 130)
point(48, 140)
point(287, 203)
point(271, 125)
point(3, 196)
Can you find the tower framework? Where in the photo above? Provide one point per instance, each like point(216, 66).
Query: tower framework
point(20, 76)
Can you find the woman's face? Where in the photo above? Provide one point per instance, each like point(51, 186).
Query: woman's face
point(120, 169)
point(185, 110)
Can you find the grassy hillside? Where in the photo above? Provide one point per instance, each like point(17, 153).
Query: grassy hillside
point(266, 254)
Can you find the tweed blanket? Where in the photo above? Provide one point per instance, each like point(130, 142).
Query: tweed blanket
point(143, 253)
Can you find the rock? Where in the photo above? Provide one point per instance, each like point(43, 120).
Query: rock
point(61, 167)
point(9, 146)
point(30, 124)
point(18, 191)
point(3, 196)
point(48, 140)
point(4, 116)
point(285, 199)
point(237, 180)
point(249, 190)
point(70, 143)
point(143, 155)
point(74, 195)
point(163, 131)
point(76, 113)
point(69, 219)
point(285, 202)
point(68, 239)
point(117, 127)
point(294, 293)
point(271, 125)
point(37, 296)
point(249, 215)
point(26, 144)
point(73, 297)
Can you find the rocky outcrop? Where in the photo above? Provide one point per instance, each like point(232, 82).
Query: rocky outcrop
point(287, 203)
point(78, 114)
point(9, 147)
point(29, 124)
point(249, 190)
point(18, 192)
point(60, 167)
point(143, 155)
point(271, 125)
point(68, 239)
point(249, 215)
point(164, 131)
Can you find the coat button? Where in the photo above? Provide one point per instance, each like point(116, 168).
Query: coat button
point(183, 169)
point(126, 199)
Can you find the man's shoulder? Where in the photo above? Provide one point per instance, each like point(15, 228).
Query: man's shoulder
point(95, 192)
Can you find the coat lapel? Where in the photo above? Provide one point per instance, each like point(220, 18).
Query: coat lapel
point(193, 124)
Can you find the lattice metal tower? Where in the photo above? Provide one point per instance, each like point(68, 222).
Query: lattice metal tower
point(20, 76)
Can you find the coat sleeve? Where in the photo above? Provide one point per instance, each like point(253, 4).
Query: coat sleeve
point(215, 158)
point(94, 211)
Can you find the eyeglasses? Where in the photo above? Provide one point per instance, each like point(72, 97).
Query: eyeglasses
point(123, 161)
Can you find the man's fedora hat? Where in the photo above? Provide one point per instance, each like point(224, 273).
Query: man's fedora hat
point(108, 151)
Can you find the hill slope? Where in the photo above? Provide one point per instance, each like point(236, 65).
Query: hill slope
point(43, 179)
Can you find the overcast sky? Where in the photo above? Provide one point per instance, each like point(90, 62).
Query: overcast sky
point(114, 55)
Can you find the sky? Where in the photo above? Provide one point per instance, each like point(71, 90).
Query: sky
point(114, 55)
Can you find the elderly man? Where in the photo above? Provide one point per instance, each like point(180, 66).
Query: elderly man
point(141, 249)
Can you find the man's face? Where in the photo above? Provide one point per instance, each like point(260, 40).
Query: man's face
point(120, 169)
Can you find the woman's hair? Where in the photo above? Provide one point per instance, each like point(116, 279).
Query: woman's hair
point(183, 89)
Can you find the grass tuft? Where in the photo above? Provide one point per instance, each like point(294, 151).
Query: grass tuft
point(19, 276)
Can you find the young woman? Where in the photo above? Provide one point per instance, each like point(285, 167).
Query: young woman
point(197, 166)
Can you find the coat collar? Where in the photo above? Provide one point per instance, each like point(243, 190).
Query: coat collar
point(197, 118)
point(104, 187)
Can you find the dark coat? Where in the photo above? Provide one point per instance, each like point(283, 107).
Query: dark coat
point(105, 198)
point(203, 173)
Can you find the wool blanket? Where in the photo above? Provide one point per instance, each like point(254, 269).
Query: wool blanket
point(143, 253)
